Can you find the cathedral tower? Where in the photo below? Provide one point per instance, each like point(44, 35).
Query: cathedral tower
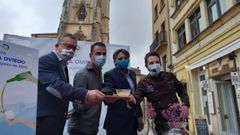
point(87, 19)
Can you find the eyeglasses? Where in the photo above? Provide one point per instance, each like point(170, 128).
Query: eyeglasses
point(70, 46)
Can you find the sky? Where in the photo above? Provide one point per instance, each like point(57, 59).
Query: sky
point(130, 22)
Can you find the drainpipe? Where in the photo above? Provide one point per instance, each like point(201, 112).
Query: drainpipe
point(169, 36)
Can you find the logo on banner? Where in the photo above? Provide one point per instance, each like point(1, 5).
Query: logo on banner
point(5, 47)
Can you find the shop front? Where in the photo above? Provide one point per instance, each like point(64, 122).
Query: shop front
point(216, 89)
point(224, 94)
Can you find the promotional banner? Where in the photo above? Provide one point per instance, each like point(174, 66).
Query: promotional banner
point(18, 89)
point(46, 45)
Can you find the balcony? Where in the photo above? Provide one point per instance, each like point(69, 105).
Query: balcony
point(159, 40)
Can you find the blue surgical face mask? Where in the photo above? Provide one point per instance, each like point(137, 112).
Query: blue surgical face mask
point(100, 60)
point(122, 64)
point(154, 69)
point(66, 54)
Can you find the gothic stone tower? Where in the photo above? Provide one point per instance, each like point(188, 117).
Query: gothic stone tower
point(87, 19)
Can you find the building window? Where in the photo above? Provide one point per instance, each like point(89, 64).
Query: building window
point(181, 34)
point(82, 12)
point(215, 9)
point(195, 23)
point(223, 6)
point(155, 12)
point(178, 3)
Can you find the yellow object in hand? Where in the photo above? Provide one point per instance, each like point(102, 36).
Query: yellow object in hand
point(123, 94)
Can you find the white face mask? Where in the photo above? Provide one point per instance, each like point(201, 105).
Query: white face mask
point(154, 69)
point(100, 60)
point(66, 54)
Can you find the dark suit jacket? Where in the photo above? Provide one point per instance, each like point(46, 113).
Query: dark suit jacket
point(54, 91)
point(120, 120)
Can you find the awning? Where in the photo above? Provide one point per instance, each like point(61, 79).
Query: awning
point(219, 53)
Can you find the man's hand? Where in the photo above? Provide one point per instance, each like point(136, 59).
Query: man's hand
point(184, 112)
point(130, 99)
point(111, 99)
point(94, 97)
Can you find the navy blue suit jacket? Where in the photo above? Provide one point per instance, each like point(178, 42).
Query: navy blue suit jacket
point(54, 92)
point(120, 120)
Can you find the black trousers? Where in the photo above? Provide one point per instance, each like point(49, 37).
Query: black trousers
point(50, 125)
point(161, 125)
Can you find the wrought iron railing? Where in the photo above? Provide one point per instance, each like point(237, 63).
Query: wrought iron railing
point(159, 40)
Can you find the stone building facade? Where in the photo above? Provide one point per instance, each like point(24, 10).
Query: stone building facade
point(205, 39)
point(87, 19)
point(160, 34)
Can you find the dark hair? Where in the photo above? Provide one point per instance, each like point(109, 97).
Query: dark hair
point(150, 54)
point(97, 44)
point(63, 35)
point(118, 51)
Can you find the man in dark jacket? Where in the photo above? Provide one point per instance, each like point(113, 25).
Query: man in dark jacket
point(54, 91)
point(120, 120)
point(160, 88)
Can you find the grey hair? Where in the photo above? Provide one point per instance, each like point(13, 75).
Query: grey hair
point(62, 35)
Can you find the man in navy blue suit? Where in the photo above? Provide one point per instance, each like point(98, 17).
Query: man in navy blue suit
point(54, 90)
point(120, 120)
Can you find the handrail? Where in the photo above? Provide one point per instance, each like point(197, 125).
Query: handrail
point(160, 38)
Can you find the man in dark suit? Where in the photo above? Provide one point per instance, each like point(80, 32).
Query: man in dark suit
point(120, 120)
point(54, 90)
